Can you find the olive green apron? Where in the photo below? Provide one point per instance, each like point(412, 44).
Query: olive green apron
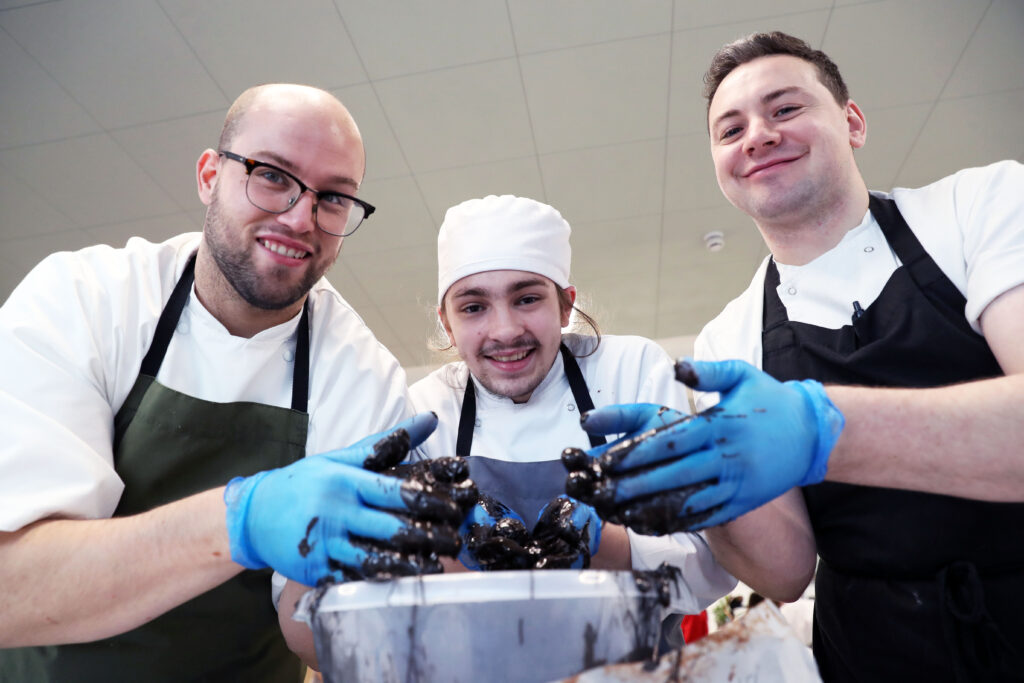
point(167, 446)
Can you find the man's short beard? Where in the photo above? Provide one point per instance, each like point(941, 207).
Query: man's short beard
point(238, 270)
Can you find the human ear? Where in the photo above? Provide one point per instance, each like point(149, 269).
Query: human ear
point(858, 125)
point(207, 169)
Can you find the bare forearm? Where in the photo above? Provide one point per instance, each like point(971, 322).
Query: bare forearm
point(962, 440)
point(613, 552)
point(297, 634)
point(79, 580)
point(771, 549)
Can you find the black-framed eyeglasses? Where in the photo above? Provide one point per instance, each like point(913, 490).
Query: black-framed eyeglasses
point(275, 190)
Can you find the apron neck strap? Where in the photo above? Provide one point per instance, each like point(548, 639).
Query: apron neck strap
point(169, 321)
point(577, 384)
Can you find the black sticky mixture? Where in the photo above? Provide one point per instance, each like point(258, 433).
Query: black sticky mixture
point(593, 481)
point(686, 374)
point(554, 544)
point(438, 494)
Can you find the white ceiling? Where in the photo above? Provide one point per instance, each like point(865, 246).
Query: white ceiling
point(590, 105)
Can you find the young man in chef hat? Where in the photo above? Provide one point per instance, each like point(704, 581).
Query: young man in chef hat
point(513, 402)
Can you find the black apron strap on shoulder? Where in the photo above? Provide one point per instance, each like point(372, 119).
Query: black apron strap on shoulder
point(774, 311)
point(467, 420)
point(904, 242)
point(300, 374)
point(169, 320)
point(578, 385)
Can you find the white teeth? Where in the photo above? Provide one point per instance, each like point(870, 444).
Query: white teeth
point(283, 250)
point(511, 358)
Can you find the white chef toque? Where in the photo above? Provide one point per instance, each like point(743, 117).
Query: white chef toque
point(502, 233)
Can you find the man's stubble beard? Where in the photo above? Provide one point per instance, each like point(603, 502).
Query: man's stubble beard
point(236, 265)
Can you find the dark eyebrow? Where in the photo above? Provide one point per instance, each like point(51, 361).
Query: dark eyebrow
point(290, 167)
point(514, 287)
point(773, 95)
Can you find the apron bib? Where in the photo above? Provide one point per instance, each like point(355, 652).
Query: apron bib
point(910, 586)
point(167, 446)
point(526, 487)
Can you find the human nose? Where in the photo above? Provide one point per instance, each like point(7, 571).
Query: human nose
point(761, 133)
point(301, 216)
point(506, 324)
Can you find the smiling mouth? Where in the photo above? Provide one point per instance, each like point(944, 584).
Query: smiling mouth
point(510, 357)
point(282, 250)
point(769, 167)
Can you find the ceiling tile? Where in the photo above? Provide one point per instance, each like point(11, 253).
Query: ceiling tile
point(891, 133)
point(121, 59)
point(621, 304)
point(89, 179)
point(395, 37)
point(541, 25)
point(444, 189)
point(397, 276)
point(41, 110)
point(25, 212)
point(996, 44)
point(902, 66)
point(682, 242)
point(341, 277)
point(307, 44)
point(690, 181)
point(458, 117)
point(401, 219)
point(414, 324)
point(384, 333)
point(156, 229)
point(28, 251)
point(702, 13)
point(693, 49)
point(614, 92)
point(169, 151)
point(608, 234)
point(384, 158)
point(981, 126)
point(602, 183)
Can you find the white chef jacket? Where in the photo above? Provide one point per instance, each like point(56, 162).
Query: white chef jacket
point(73, 335)
point(622, 370)
point(971, 224)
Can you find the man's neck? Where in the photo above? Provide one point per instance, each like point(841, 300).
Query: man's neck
point(239, 317)
point(799, 240)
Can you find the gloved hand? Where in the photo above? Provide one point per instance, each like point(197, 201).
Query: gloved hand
point(326, 517)
point(675, 473)
point(568, 533)
point(494, 537)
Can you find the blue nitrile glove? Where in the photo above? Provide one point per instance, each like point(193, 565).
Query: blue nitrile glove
point(326, 517)
point(494, 537)
point(763, 438)
point(568, 533)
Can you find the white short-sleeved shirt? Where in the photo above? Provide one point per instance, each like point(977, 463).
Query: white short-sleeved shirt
point(970, 223)
point(622, 370)
point(73, 335)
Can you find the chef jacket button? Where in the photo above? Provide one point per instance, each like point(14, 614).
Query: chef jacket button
point(288, 355)
point(868, 250)
point(476, 422)
point(791, 290)
point(570, 407)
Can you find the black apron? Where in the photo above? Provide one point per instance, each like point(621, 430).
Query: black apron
point(167, 446)
point(526, 487)
point(911, 586)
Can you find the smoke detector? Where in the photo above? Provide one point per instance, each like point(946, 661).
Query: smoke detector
point(714, 240)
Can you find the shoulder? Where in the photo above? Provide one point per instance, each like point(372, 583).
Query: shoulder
point(960, 195)
point(445, 384)
point(614, 349)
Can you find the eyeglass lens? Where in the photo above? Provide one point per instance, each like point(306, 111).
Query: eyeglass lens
point(273, 191)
